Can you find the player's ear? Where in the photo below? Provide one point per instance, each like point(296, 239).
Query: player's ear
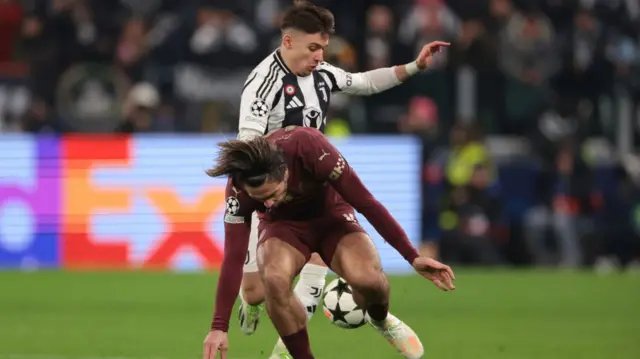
point(287, 41)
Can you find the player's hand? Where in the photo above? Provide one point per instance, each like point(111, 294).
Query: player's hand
point(440, 274)
point(426, 54)
point(215, 341)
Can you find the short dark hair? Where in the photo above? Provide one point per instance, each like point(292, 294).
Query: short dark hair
point(306, 17)
point(249, 162)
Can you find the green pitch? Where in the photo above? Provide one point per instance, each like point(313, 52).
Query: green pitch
point(500, 314)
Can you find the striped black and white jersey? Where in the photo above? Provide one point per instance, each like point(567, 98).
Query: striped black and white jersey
point(273, 97)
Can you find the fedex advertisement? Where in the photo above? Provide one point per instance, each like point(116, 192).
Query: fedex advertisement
point(143, 202)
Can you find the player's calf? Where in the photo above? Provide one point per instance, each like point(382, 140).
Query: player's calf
point(356, 260)
point(309, 291)
point(370, 291)
point(252, 289)
point(251, 299)
point(371, 288)
point(283, 307)
point(279, 264)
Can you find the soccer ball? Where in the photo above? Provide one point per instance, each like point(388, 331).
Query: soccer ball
point(338, 305)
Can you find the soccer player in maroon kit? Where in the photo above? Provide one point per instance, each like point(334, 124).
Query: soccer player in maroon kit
point(293, 86)
point(305, 193)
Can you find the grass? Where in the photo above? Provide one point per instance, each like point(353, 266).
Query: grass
point(493, 314)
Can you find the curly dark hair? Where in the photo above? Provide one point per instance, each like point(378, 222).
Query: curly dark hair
point(249, 162)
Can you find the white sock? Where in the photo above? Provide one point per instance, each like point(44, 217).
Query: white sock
point(310, 287)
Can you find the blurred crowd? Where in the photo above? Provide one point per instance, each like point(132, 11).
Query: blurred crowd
point(553, 72)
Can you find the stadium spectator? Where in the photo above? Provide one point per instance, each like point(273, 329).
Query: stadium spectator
point(467, 151)
point(527, 58)
point(615, 244)
point(469, 216)
point(567, 200)
point(140, 109)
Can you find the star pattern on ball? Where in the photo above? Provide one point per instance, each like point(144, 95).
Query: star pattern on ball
point(342, 287)
point(259, 108)
point(338, 314)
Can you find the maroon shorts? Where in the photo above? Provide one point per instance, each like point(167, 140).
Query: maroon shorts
point(320, 235)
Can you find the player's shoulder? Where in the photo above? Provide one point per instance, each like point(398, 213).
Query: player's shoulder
point(298, 132)
point(270, 67)
point(296, 137)
point(264, 80)
point(238, 204)
point(324, 66)
point(327, 67)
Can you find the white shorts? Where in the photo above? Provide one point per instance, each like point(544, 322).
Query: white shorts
point(250, 263)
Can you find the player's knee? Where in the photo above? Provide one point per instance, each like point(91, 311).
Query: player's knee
point(277, 285)
point(252, 290)
point(369, 282)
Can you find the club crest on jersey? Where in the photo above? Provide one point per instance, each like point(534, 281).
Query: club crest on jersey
point(290, 90)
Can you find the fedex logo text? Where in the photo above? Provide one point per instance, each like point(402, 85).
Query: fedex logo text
point(82, 202)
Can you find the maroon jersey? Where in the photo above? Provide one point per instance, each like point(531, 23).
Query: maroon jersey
point(319, 179)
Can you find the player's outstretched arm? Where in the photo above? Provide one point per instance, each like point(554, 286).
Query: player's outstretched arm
point(382, 79)
point(325, 161)
point(237, 227)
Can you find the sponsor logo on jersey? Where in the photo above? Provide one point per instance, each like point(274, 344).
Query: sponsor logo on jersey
point(233, 219)
point(337, 170)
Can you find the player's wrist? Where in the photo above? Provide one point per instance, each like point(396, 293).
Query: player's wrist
point(412, 68)
point(219, 326)
point(412, 258)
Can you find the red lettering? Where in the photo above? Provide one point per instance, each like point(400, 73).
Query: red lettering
point(187, 227)
point(81, 154)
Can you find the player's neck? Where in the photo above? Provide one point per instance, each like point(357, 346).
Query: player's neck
point(284, 56)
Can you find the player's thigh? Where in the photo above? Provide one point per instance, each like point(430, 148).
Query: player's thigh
point(356, 259)
point(251, 263)
point(281, 255)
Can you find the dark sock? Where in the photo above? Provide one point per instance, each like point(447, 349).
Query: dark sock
point(378, 312)
point(298, 344)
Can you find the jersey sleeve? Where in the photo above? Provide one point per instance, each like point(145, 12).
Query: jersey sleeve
point(237, 227)
point(326, 163)
point(361, 83)
point(256, 103)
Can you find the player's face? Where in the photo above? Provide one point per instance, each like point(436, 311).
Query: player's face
point(308, 51)
point(271, 193)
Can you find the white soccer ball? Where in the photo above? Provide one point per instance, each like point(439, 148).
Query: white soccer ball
point(338, 305)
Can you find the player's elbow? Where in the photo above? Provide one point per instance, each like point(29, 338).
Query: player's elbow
point(367, 205)
point(369, 87)
point(247, 134)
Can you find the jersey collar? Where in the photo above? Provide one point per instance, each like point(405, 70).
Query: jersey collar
point(280, 61)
